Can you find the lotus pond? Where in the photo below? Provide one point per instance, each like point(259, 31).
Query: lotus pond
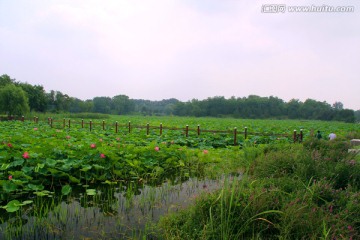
point(57, 183)
point(72, 183)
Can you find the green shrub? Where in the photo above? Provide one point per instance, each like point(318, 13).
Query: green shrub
point(292, 192)
point(334, 150)
point(278, 163)
point(347, 172)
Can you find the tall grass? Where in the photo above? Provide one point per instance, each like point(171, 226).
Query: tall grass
point(308, 191)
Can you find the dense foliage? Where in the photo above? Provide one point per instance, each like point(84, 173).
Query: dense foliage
point(274, 187)
point(38, 157)
point(264, 107)
point(308, 191)
point(246, 107)
point(13, 100)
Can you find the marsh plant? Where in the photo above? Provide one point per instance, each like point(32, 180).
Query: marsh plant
point(58, 182)
point(308, 191)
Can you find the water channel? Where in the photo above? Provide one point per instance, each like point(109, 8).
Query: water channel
point(113, 212)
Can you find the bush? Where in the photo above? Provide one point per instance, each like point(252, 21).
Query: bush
point(334, 150)
point(305, 191)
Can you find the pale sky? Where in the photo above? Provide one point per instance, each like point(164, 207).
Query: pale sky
point(184, 49)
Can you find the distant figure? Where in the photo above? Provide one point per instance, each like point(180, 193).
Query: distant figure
point(332, 136)
point(318, 135)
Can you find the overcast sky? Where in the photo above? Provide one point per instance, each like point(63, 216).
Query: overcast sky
point(184, 49)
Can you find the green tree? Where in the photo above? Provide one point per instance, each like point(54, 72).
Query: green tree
point(58, 102)
point(88, 105)
point(276, 106)
point(346, 115)
point(77, 105)
point(62, 101)
point(216, 106)
point(357, 115)
point(254, 107)
point(5, 80)
point(181, 109)
point(102, 104)
point(13, 100)
point(36, 95)
point(312, 109)
point(293, 108)
point(121, 104)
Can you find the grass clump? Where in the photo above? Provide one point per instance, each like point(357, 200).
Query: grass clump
point(308, 191)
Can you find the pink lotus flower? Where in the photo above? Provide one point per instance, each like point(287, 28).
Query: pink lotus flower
point(35, 129)
point(100, 140)
point(26, 155)
point(93, 145)
point(156, 148)
point(206, 151)
point(10, 145)
point(10, 177)
point(68, 137)
point(102, 155)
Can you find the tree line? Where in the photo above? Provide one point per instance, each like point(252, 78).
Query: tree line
point(265, 107)
point(17, 98)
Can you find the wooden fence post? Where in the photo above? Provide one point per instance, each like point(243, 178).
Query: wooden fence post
point(116, 127)
point(245, 132)
point(160, 129)
point(82, 123)
point(187, 131)
point(22, 118)
point(198, 130)
point(129, 127)
point(90, 125)
point(294, 137)
point(147, 129)
point(103, 124)
point(69, 123)
point(301, 135)
point(64, 123)
point(235, 133)
point(51, 122)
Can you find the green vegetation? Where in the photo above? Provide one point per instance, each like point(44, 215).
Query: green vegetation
point(308, 191)
point(42, 157)
point(13, 100)
point(57, 181)
point(251, 107)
